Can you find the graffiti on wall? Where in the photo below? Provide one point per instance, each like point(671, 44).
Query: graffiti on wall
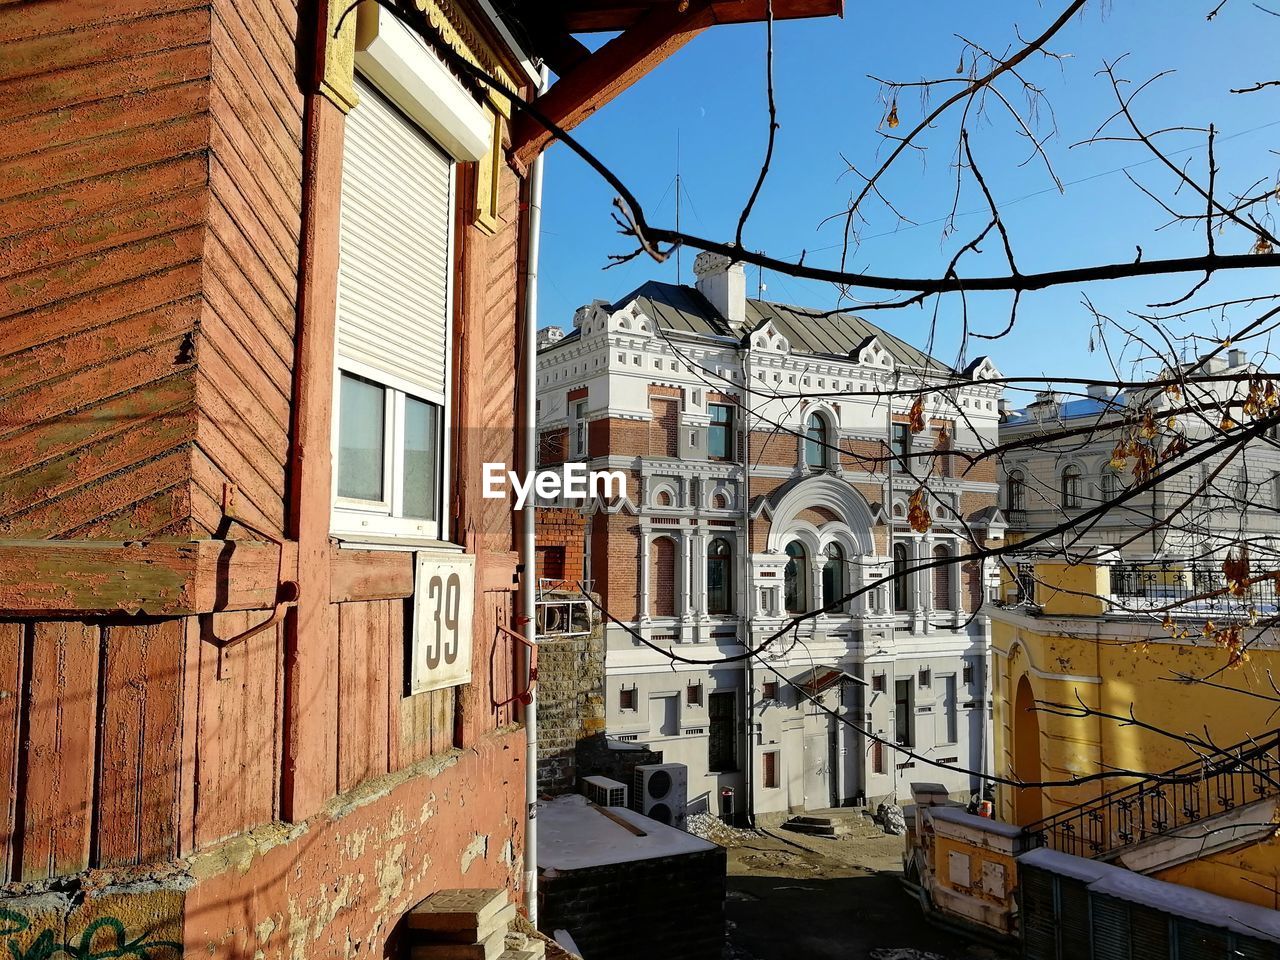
point(106, 938)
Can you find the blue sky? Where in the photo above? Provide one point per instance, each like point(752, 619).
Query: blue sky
point(710, 95)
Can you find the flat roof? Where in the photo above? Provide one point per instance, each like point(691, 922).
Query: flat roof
point(1245, 919)
point(574, 833)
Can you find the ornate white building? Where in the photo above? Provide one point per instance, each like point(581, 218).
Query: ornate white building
point(767, 480)
point(1229, 502)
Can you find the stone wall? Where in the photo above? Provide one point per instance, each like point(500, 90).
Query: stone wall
point(570, 704)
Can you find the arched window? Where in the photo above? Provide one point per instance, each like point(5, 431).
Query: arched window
point(719, 577)
point(720, 502)
point(900, 575)
point(796, 578)
point(942, 580)
point(833, 577)
point(1016, 491)
point(815, 441)
point(664, 498)
point(662, 578)
point(1071, 486)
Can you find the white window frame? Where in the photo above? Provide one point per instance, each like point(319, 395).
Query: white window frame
point(366, 522)
point(354, 518)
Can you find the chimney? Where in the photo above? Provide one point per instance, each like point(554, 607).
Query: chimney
point(1046, 404)
point(724, 283)
point(1236, 358)
point(589, 310)
point(1099, 391)
point(1207, 364)
point(548, 336)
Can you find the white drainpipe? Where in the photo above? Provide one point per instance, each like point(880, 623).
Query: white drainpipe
point(528, 552)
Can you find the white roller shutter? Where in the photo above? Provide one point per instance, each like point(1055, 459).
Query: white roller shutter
point(393, 274)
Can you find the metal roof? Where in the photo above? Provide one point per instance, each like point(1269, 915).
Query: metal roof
point(1071, 409)
point(821, 333)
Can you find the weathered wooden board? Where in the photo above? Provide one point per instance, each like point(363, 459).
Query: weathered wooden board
point(140, 760)
point(370, 575)
point(157, 578)
point(12, 649)
point(61, 732)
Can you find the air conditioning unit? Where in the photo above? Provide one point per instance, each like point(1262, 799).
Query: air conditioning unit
point(661, 792)
point(604, 792)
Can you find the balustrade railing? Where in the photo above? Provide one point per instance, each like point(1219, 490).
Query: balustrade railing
point(1157, 806)
point(1188, 587)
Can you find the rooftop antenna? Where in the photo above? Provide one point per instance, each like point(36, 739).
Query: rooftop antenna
point(679, 273)
point(761, 286)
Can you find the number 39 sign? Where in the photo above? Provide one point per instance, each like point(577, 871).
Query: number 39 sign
point(444, 597)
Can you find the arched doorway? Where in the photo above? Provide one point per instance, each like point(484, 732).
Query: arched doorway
point(1027, 804)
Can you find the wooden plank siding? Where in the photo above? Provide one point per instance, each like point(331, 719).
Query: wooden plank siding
point(103, 205)
point(139, 760)
point(238, 726)
point(252, 250)
point(150, 223)
point(59, 746)
point(151, 255)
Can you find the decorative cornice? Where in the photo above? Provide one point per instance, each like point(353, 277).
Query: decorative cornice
point(457, 31)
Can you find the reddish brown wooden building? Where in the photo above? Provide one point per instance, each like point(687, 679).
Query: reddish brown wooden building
point(263, 280)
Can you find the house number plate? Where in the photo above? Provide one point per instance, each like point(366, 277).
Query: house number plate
point(443, 604)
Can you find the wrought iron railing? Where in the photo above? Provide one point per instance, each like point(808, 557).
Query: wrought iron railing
point(1190, 587)
point(1024, 581)
point(1157, 806)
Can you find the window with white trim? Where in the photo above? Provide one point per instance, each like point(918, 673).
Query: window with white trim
point(392, 410)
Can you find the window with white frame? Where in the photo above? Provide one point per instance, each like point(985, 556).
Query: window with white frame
point(393, 326)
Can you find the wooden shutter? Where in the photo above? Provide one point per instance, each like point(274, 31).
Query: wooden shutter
point(393, 274)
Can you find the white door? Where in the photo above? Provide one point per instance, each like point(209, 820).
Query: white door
point(817, 771)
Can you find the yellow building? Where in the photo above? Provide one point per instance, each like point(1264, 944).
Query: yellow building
point(1113, 647)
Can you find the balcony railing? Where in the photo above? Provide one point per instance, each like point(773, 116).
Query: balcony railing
point(1189, 588)
point(1024, 582)
point(1157, 806)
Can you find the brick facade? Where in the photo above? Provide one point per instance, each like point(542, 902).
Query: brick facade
point(664, 428)
point(669, 907)
point(662, 577)
point(553, 446)
point(561, 544)
point(570, 705)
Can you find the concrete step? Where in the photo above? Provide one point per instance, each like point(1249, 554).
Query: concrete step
point(815, 821)
point(490, 948)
